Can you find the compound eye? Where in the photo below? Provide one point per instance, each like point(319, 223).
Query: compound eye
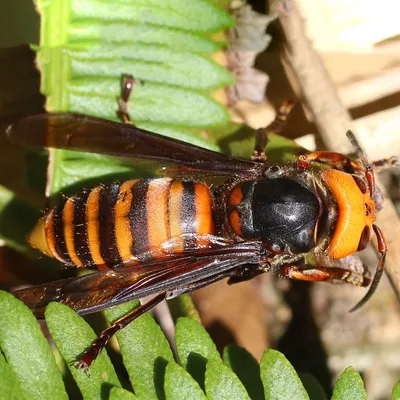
point(364, 239)
point(360, 183)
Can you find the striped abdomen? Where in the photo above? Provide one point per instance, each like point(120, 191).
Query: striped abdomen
point(135, 221)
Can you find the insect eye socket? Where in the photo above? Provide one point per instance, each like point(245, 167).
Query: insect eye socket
point(364, 239)
point(361, 184)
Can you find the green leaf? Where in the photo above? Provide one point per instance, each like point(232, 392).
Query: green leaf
point(73, 171)
point(27, 351)
point(239, 141)
point(349, 386)
point(149, 101)
point(72, 336)
point(197, 15)
point(123, 31)
point(195, 348)
point(14, 234)
point(87, 47)
point(146, 63)
point(145, 352)
point(313, 387)
point(183, 306)
point(282, 150)
point(222, 384)
point(117, 393)
point(179, 385)
point(279, 378)
point(245, 366)
point(10, 387)
point(396, 391)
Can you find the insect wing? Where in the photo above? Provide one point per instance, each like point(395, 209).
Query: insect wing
point(95, 135)
point(90, 291)
point(100, 290)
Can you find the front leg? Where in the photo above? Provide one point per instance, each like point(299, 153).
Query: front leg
point(323, 274)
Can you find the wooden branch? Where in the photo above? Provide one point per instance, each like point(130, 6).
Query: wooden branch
point(317, 89)
point(379, 133)
point(361, 92)
point(330, 116)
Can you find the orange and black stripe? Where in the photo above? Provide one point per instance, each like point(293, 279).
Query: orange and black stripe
point(107, 233)
point(138, 221)
point(93, 225)
point(122, 221)
point(135, 221)
point(56, 237)
point(80, 226)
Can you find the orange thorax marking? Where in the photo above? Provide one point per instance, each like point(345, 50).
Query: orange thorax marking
point(234, 217)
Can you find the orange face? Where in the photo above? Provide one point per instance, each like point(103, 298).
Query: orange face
point(356, 214)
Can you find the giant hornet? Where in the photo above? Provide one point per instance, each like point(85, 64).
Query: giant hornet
point(171, 235)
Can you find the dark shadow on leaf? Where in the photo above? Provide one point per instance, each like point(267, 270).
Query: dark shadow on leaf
point(71, 386)
point(301, 343)
point(244, 365)
point(160, 364)
point(19, 83)
point(221, 334)
point(242, 134)
point(196, 366)
point(17, 220)
point(17, 270)
point(105, 390)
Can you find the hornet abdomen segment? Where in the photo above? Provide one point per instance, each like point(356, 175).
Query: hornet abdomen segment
point(136, 221)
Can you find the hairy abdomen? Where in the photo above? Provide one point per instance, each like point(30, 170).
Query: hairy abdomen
point(135, 221)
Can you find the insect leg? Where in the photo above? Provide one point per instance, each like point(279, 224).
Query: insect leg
point(320, 274)
point(128, 82)
point(90, 355)
point(335, 160)
point(385, 163)
point(232, 274)
point(274, 127)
